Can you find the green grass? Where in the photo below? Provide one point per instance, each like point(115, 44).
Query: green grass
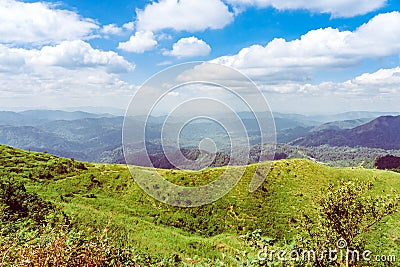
point(104, 199)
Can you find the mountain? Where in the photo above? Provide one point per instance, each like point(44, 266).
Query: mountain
point(83, 139)
point(98, 110)
point(302, 120)
point(98, 137)
point(351, 115)
point(52, 115)
point(382, 132)
point(31, 138)
point(339, 125)
point(37, 117)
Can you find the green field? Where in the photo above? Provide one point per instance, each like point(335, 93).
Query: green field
point(104, 200)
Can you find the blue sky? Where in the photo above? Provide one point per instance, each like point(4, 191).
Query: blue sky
point(306, 56)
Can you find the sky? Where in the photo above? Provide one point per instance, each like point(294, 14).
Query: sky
point(305, 56)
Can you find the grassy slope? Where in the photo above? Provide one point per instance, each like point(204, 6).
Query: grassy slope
point(105, 198)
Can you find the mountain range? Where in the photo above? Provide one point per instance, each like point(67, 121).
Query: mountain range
point(382, 132)
point(98, 137)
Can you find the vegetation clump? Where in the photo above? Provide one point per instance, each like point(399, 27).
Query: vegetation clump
point(388, 162)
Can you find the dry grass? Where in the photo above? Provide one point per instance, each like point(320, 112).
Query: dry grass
point(63, 248)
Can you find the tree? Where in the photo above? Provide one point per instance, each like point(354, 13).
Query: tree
point(344, 215)
point(387, 162)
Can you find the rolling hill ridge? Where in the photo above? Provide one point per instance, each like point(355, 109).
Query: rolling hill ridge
point(102, 196)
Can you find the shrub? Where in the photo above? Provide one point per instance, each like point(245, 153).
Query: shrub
point(387, 162)
point(17, 203)
point(345, 213)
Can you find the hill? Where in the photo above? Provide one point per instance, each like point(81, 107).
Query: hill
point(351, 115)
point(37, 117)
point(340, 125)
point(100, 196)
point(381, 132)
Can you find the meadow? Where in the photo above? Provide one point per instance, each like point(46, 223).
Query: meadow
point(100, 205)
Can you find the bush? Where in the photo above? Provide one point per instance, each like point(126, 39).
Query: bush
point(16, 203)
point(387, 162)
point(346, 213)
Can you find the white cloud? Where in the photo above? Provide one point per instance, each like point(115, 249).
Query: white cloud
point(41, 22)
point(338, 8)
point(377, 84)
point(165, 63)
point(58, 87)
point(189, 15)
point(62, 73)
point(69, 60)
point(55, 80)
point(129, 26)
point(74, 55)
point(139, 43)
point(189, 47)
point(112, 29)
point(383, 81)
point(327, 48)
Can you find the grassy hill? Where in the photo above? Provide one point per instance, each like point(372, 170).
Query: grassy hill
point(103, 199)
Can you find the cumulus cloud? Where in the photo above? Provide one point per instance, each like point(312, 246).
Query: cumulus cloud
point(55, 80)
point(139, 43)
point(129, 26)
point(41, 22)
point(69, 60)
point(74, 55)
point(383, 81)
point(189, 47)
point(380, 83)
point(189, 15)
point(72, 68)
point(322, 48)
point(58, 87)
point(339, 8)
point(114, 29)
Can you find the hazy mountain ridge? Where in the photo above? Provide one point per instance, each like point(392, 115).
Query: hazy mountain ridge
point(37, 117)
point(340, 125)
point(382, 132)
point(98, 137)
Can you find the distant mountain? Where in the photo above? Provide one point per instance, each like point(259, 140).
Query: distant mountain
point(12, 118)
point(288, 135)
point(340, 125)
point(51, 115)
point(382, 132)
point(37, 117)
point(98, 137)
point(31, 138)
point(84, 139)
point(98, 110)
point(351, 115)
point(304, 120)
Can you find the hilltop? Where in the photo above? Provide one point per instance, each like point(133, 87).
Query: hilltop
point(102, 196)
